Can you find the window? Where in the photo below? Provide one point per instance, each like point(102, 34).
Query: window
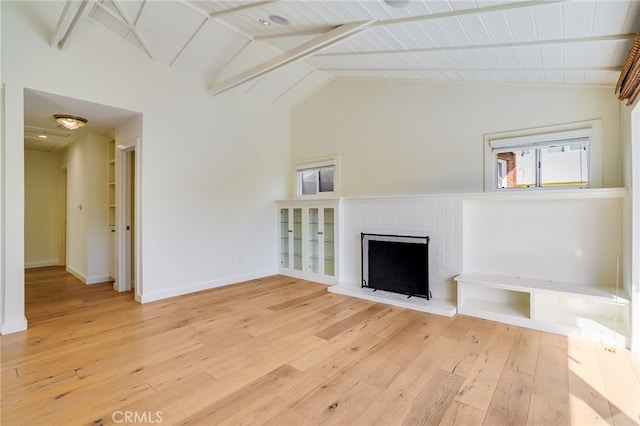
point(316, 179)
point(559, 159)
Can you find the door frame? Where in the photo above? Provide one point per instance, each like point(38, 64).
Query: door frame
point(123, 176)
point(64, 208)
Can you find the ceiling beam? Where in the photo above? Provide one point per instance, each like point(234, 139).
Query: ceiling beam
point(131, 25)
point(68, 13)
point(193, 36)
point(234, 56)
point(139, 14)
point(70, 21)
point(617, 37)
point(241, 8)
point(457, 13)
point(314, 31)
point(580, 69)
point(300, 52)
point(214, 16)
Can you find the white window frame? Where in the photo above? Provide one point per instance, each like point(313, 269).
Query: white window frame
point(540, 138)
point(317, 164)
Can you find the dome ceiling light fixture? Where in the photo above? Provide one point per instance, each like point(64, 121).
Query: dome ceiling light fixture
point(397, 3)
point(70, 122)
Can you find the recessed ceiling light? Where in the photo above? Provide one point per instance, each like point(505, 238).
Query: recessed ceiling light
point(43, 136)
point(397, 3)
point(277, 19)
point(264, 22)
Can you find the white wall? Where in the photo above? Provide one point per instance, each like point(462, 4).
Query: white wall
point(2, 184)
point(42, 208)
point(414, 137)
point(570, 240)
point(86, 161)
point(210, 166)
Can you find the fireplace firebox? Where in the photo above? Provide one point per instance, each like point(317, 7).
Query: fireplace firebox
point(396, 263)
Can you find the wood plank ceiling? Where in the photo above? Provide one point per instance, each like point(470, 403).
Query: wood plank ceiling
point(223, 42)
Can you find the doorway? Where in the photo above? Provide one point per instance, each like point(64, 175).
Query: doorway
point(77, 185)
point(127, 213)
point(63, 217)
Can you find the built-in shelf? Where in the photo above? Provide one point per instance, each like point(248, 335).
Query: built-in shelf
point(111, 206)
point(533, 285)
point(596, 313)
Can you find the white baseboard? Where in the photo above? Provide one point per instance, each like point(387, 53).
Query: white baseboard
point(173, 292)
point(14, 326)
point(98, 279)
point(41, 264)
point(79, 275)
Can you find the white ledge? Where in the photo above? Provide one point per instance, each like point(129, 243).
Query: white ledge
point(533, 285)
point(507, 194)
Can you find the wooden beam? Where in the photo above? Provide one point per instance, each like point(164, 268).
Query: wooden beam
point(131, 26)
point(83, 12)
point(457, 13)
point(314, 31)
point(214, 16)
point(580, 69)
point(234, 56)
point(304, 50)
point(617, 37)
point(68, 13)
point(193, 36)
point(241, 8)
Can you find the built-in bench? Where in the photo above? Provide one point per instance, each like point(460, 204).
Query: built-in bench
point(572, 309)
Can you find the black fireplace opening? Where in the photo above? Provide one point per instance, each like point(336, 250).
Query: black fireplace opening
point(396, 263)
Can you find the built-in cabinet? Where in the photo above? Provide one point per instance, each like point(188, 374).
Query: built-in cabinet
point(111, 207)
point(308, 240)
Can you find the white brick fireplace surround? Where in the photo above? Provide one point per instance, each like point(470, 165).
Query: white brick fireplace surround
point(559, 235)
point(439, 217)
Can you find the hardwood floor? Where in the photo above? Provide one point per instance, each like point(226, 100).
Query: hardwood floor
point(280, 351)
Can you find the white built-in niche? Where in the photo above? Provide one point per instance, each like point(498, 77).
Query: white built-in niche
point(549, 260)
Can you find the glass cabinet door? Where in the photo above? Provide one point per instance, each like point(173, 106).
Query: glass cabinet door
point(297, 239)
point(329, 241)
point(314, 245)
point(284, 238)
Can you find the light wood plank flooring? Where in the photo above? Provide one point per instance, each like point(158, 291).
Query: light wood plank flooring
point(280, 351)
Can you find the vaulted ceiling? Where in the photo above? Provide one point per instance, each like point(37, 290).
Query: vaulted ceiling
point(284, 50)
point(244, 43)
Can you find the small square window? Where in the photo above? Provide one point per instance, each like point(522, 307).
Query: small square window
point(316, 181)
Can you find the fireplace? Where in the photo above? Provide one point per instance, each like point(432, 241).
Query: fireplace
point(396, 263)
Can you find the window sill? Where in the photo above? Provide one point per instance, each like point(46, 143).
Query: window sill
point(553, 193)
